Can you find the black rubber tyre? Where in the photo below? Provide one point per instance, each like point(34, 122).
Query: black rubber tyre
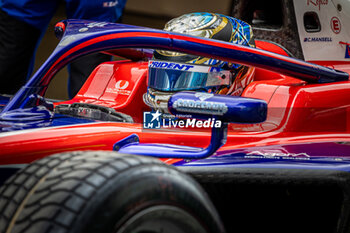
point(104, 192)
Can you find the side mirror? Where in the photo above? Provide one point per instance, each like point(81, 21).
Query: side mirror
point(226, 108)
point(198, 105)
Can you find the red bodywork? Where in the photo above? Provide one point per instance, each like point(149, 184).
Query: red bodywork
point(297, 113)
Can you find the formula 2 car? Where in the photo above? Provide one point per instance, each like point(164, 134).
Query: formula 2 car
point(278, 160)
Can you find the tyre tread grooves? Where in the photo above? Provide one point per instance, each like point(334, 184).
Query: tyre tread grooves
point(49, 177)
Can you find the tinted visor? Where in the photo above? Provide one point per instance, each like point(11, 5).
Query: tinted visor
point(171, 76)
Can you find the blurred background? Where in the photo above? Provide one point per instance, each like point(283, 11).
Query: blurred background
point(150, 13)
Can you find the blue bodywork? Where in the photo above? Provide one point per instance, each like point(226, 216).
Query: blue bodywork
point(327, 155)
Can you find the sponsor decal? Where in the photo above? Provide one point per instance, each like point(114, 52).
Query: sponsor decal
point(335, 25)
point(121, 84)
point(203, 96)
point(183, 67)
point(317, 3)
point(110, 3)
point(157, 120)
point(92, 25)
point(277, 155)
point(96, 24)
point(170, 65)
point(318, 39)
point(197, 106)
point(120, 88)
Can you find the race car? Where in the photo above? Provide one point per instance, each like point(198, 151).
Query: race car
point(274, 159)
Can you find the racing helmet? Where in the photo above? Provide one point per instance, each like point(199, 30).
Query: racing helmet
point(170, 72)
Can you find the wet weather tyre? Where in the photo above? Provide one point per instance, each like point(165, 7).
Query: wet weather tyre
point(83, 192)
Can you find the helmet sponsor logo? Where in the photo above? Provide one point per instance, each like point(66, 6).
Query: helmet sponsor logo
point(170, 65)
point(335, 25)
point(318, 39)
point(317, 3)
point(183, 67)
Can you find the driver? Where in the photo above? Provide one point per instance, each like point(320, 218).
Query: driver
point(170, 72)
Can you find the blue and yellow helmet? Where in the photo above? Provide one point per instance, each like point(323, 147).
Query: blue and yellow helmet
point(201, 73)
point(207, 25)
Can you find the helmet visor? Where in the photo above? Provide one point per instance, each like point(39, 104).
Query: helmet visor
point(173, 76)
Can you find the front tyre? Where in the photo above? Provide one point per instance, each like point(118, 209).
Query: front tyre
point(85, 192)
